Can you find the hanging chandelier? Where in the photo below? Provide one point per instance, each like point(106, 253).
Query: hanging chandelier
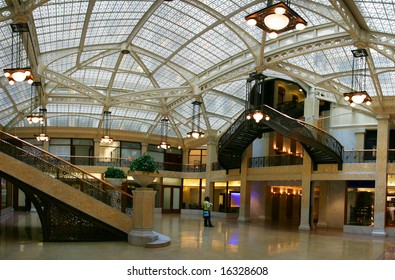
point(254, 97)
point(358, 94)
point(276, 19)
point(196, 133)
point(19, 72)
point(106, 138)
point(42, 136)
point(34, 118)
point(163, 131)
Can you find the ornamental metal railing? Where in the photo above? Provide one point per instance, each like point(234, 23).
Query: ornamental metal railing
point(62, 170)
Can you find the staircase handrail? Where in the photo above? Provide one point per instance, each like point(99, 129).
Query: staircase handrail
point(310, 131)
point(32, 155)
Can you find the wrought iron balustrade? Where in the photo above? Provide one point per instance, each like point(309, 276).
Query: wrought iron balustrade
point(61, 170)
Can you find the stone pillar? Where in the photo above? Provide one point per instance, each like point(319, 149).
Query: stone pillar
point(245, 188)
point(323, 201)
point(360, 139)
point(380, 193)
point(210, 158)
point(144, 148)
point(307, 195)
point(311, 112)
point(142, 233)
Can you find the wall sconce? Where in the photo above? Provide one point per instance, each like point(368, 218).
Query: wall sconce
point(163, 132)
point(276, 19)
point(106, 138)
point(358, 94)
point(17, 72)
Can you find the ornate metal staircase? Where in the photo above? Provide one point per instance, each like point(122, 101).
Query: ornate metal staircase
point(72, 204)
point(321, 146)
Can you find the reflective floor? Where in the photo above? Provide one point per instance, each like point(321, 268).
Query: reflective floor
point(21, 239)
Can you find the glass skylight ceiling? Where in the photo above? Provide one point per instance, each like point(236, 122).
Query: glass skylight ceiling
point(153, 58)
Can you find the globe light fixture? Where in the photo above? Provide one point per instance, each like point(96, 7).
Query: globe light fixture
point(18, 72)
point(358, 94)
point(164, 129)
point(196, 133)
point(106, 138)
point(276, 19)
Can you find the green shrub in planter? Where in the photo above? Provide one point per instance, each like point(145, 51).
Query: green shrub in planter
point(113, 172)
point(145, 164)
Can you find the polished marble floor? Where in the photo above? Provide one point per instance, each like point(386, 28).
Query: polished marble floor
point(20, 239)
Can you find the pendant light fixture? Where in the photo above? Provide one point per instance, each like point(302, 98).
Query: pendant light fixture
point(19, 70)
point(358, 94)
point(254, 97)
point(196, 133)
point(42, 136)
point(163, 131)
point(33, 117)
point(276, 19)
point(106, 138)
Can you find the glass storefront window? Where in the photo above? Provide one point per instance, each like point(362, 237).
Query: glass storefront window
point(390, 207)
point(360, 203)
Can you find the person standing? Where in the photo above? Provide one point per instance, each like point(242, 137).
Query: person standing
point(207, 212)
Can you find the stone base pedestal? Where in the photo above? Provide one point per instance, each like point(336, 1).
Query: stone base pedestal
point(142, 233)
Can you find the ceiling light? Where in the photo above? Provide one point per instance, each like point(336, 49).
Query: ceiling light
point(358, 94)
point(18, 72)
point(277, 18)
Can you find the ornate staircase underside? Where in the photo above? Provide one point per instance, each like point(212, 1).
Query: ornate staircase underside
point(321, 146)
point(72, 205)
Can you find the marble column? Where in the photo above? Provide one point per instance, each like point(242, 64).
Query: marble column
point(380, 193)
point(323, 201)
point(245, 188)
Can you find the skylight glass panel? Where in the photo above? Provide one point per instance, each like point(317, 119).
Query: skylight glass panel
point(131, 82)
point(86, 55)
point(380, 61)
point(61, 22)
point(20, 92)
point(236, 89)
point(192, 61)
point(150, 62)
point(5, 44)
point(7, 119)
point(166, 77)
point(220, 105)
point(312, 18)
point(129, 64)
point(167, 38)
point(387, 82)
point(63, 64)
point(108, 61)
point(151, 47)
point(224, 40)
point(5, 103)
point(379, 15)
point(224, 7)
point(136, 126)
point(123, 16)
point(217, 123)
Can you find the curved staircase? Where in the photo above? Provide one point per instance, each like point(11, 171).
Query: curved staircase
point(321, 146)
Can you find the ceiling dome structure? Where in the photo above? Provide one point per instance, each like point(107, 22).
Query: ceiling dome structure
point(143, 60)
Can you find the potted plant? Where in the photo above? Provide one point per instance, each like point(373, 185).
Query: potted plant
point(142, 169)
point(115, 176)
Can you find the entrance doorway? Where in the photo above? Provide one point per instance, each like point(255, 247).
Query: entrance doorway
point(171, 199)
